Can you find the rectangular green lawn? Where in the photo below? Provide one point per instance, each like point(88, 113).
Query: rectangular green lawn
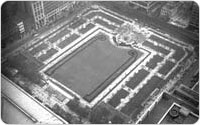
point(90, 66)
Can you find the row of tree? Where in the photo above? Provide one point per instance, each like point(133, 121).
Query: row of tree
point(59, 111)
point(25, 68)
point(74, 105)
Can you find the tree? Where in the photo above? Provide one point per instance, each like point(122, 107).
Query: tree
point(99, 115)
point(117, 120)
point(74, 105)
point(58, 110)
point(27, 68)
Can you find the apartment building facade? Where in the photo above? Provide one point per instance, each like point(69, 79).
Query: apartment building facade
point(147, 5)
point(45, 12)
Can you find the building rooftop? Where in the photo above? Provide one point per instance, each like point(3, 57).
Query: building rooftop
point(160, 113)
point(179, 115)
point(11, 114)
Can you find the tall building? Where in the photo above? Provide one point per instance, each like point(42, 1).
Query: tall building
point(13, 14)
point(194, 21)
point(45, 12)
point(147, 5)
point(170, 8)
point(23, 17)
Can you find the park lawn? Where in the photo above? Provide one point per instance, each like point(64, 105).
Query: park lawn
point(91, 66)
